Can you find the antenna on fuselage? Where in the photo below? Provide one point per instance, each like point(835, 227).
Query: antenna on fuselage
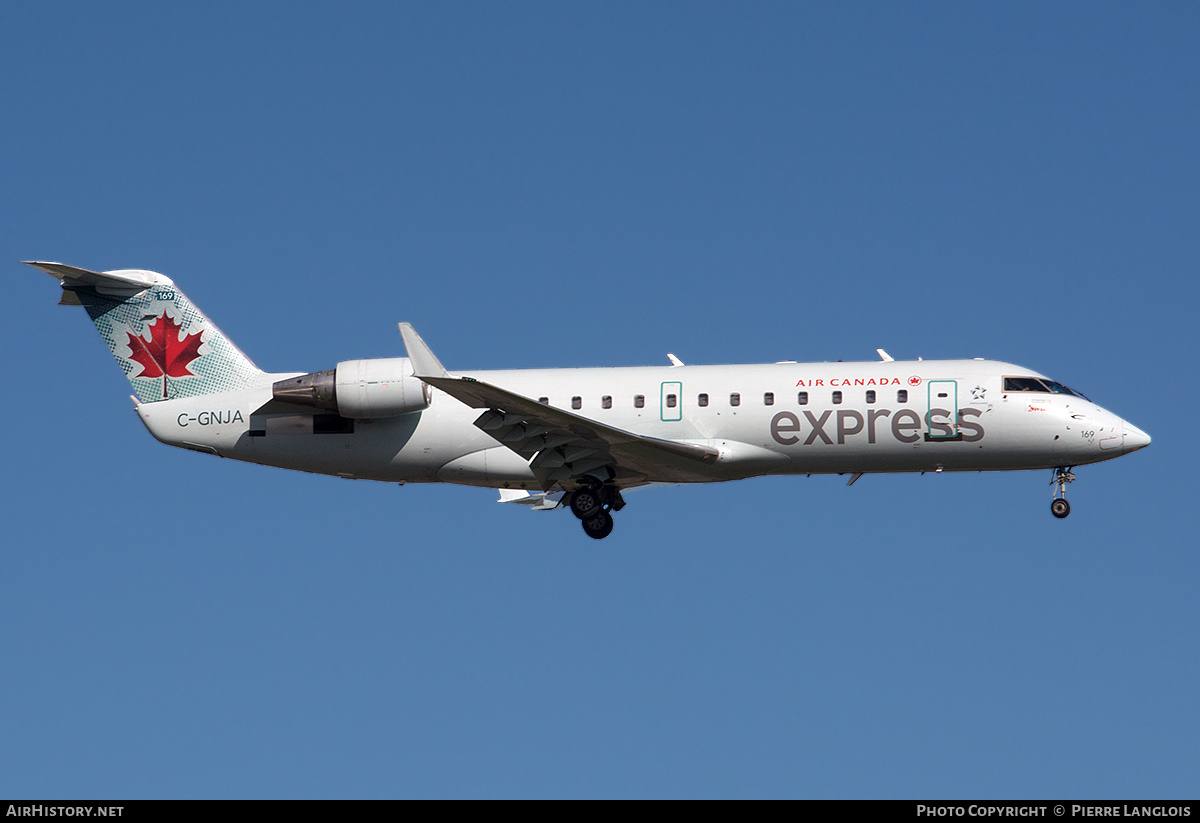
point(884, 356)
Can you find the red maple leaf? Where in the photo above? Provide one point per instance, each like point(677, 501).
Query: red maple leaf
point(166, 353)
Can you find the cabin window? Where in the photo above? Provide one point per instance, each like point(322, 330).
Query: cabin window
point(802, 398)
point(671, 401)
point(639, 401)
point(769, 399)
point(735, 399)
point(545, 401)
point(606, 401)
point(702, 400)
point(577, 402)
point(870, 395)
point(837, 397)
point(902, 396)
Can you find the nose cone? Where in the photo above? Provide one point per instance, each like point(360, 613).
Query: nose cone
point(1134, 438)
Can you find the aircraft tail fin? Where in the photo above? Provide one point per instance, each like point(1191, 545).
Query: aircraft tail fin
point(165, 345)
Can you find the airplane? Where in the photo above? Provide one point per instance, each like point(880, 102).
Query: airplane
point(578, 438)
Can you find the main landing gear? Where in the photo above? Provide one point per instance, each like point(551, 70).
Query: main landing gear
point(1059, 506)
point(592, 506)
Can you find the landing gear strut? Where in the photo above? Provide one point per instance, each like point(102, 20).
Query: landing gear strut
point(592, 506)
point(1059, 506)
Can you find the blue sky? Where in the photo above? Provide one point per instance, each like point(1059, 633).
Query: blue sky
point(599, 184)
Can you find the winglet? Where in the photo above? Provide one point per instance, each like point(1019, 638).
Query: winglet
point(423, 360)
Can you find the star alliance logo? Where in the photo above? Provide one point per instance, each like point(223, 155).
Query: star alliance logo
point(978, 392)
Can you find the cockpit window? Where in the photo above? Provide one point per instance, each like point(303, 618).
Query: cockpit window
point(1014, 384)
point(1024, 384)
point(1059, 388)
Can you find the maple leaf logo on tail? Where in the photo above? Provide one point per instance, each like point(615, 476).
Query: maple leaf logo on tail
point(166, 353)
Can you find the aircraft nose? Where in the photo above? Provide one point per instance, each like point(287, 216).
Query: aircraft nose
point(1134, 438)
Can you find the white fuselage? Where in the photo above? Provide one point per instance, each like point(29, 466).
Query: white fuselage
point(894, 416)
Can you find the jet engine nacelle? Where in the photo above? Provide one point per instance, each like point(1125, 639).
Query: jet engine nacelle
point(359, 389)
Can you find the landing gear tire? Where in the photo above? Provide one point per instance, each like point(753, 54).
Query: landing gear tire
point(599, 525)
point(586, 503)
point(1059, 506)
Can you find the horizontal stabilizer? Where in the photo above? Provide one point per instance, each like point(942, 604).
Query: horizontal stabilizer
point(123, 283)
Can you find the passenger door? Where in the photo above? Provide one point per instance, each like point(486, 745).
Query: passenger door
point(941, 418)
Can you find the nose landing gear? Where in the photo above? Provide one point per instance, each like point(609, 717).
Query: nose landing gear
point(1059, 506)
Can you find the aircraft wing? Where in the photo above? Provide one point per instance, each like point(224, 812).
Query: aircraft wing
point(560, 445)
